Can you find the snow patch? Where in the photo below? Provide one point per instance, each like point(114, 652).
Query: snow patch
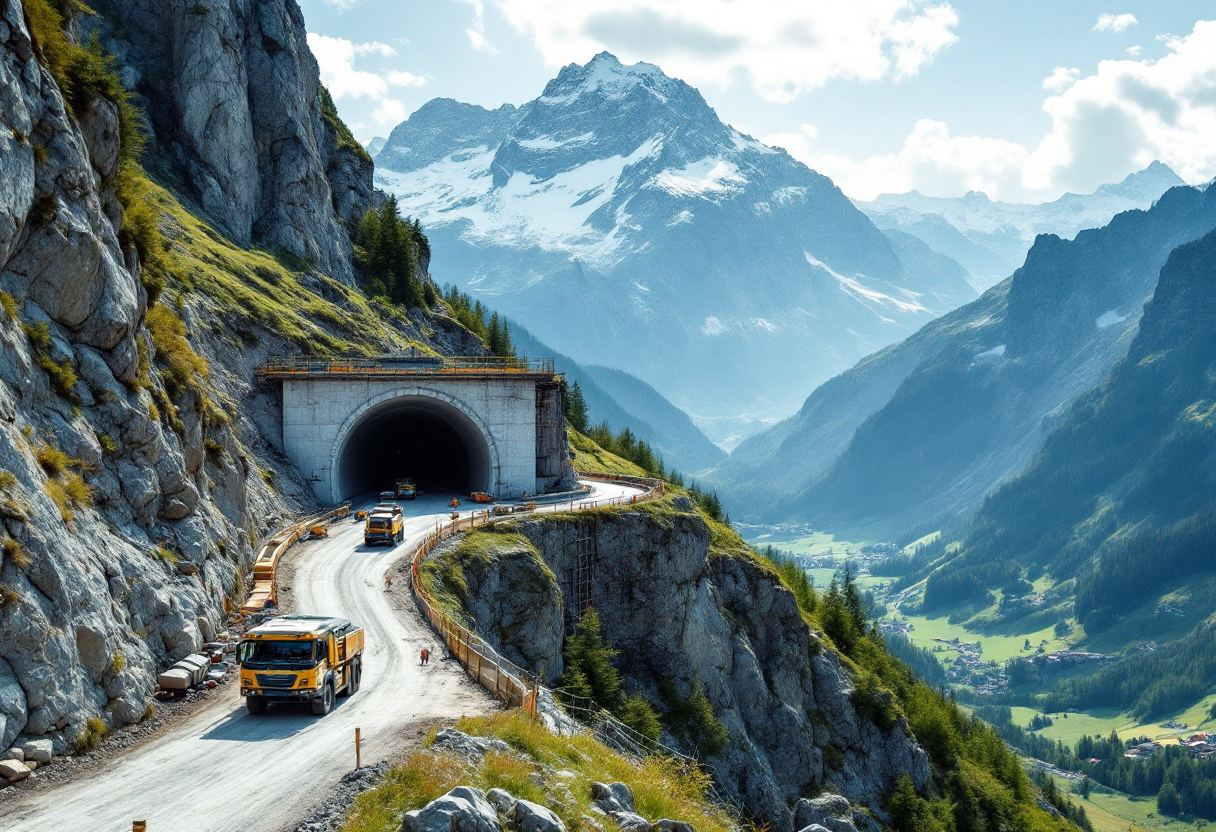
point(1109, 318)
point(789, 194)
point(681, 218)
point(701, 178)
point(995, 352)
point(713, 326)
point(864, 293)
point(549, 143)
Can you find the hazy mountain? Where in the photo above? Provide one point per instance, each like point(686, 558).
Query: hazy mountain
point(619, 220)
point(922, 431)
point(375, 146)
point(991, 238)
point(623, 400)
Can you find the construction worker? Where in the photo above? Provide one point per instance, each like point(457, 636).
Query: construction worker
point(426, 655)
point(388, 582)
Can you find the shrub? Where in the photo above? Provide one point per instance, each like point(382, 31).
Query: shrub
point(38, 334)
point(692, 720)
point(59, 496)
point(182, 366)
point(8, 595)
point(164, 554)
point(91, 736)
point(15, 553)
point(53, 461)
point(9, 305)
point(108, 445)
point(77, 490)
point(117, 662)
point(62, 375)
point(149, 712)
point(7, 480)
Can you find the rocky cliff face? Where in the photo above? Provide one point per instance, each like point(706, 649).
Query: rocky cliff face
point(233, 99)
point(677, 611)
point(136, 478)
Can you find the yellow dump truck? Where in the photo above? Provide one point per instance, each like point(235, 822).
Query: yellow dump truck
point(406, 490)
point(300, 658)
point(384, 524)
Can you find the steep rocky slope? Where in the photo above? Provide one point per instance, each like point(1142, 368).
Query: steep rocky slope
point(139, 463)
point(975, 393)
point(684, 610)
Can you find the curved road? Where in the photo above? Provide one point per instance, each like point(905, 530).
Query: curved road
point(226, 770)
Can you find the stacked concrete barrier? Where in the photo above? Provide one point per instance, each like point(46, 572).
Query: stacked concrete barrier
point(267, 562)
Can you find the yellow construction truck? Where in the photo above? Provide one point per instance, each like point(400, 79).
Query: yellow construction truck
point(406, 490)
point(300, 658)
point(384, 524)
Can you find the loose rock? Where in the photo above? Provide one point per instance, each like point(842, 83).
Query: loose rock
point(463, 809)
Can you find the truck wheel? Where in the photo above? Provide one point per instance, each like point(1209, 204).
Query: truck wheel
point(352, 680)
point(256, 705)
point(401, 535)
point(322, 706)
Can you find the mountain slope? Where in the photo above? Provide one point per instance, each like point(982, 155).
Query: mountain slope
point(620, 221)
point(1123, 493)
point(623, 400)
point(979, 389)
point(991, 238)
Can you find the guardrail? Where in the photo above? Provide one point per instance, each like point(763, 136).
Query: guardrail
point(501, 677)
point(391, 366)
point(267, 561)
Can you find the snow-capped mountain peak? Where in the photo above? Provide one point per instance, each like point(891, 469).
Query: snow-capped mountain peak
point(615, 215)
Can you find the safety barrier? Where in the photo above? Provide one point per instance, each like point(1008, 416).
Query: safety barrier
point(267, 562)
point(501, 677)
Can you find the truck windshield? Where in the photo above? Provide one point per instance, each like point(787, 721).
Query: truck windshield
point(377, 523)
point(285, 655)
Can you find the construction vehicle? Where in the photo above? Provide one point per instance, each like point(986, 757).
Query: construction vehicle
point(384, 524)
point(481, 497)
point(406, 490)
point(300, 658)
point(387, 496)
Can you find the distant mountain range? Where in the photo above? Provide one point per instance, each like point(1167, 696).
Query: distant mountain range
point(618, 219)
point(625, 401)
point(991, 239)
point(916, 436)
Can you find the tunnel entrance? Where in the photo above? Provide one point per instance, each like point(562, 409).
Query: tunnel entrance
point(425, 439)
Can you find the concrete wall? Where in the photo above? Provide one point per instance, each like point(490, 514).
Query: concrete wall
point(319, 415)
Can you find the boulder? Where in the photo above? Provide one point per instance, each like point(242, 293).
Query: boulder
point(37, 750)
point(501, 800)
point(532, 817)
point(630, 821)
point(613, 797)
point(13, 770)
point(13, 754)
point(463, 809)
point(468, 748)
point(819, 809)
point(669, 825)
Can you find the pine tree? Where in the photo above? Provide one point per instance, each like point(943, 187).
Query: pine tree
point(575, 408)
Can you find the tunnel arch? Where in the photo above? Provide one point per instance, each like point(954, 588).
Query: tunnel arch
point(417, 432)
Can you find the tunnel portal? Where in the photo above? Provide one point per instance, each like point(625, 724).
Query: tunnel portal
point(425, 439)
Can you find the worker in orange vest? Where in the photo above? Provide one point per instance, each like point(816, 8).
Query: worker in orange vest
point(426, 655)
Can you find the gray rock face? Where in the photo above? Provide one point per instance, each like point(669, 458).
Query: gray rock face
point(463, 809)
point(501, 800)
point(724, 621)
point(232, 95)
point(472, 749)
point(612, 797)
point(820, 808)
point(531, 817)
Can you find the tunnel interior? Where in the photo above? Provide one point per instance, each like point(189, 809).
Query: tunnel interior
point(427, 440)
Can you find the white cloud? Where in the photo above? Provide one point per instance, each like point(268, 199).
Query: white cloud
point(391, 111)
point(1114, 22)
point(477, 29)
point(336, 58)
point(343, 5)
point(1103, 126)
point(1061, 78)
point(784, 48)
point(375, 47)
point(798, 144)
point(1134, 51)
point(405, 79)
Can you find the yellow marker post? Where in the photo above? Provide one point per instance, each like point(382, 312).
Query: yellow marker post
point(358, 762)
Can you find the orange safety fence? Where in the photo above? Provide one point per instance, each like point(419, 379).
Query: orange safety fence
point(503, 678)
point(267, 562)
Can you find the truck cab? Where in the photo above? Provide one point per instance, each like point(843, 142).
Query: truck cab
point(406, 490)
point(300, 658)
point(384, 524)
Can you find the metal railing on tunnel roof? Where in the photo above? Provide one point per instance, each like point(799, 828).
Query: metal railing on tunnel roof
point(392, 366)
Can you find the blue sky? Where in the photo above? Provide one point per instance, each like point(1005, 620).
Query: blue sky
point(1023, 99)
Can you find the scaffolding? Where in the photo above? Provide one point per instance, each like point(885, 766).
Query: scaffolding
point(578, 577)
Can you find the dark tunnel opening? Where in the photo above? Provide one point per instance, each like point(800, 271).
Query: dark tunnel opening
point(424, 439)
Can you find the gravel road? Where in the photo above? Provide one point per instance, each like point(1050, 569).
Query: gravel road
point(227, 770)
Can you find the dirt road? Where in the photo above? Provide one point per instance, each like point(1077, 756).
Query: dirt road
point(228, 770)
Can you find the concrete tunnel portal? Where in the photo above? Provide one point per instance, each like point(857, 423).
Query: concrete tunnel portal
point(423, 438)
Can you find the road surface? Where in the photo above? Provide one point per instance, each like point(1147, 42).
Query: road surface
point(227, 770)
